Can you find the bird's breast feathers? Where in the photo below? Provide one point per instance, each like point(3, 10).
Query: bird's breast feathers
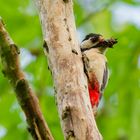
point(97, 64)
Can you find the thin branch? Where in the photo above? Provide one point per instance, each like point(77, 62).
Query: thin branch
point(28, 101)
point(92, 14)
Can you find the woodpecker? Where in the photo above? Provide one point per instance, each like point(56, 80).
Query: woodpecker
point(93, 49)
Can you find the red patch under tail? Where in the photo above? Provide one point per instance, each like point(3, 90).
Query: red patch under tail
point(94, 94)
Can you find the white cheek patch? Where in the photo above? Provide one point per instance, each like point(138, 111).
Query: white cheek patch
point(88, 44)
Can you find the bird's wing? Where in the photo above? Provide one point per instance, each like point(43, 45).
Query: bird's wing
point(86, 63)
point(105, 78)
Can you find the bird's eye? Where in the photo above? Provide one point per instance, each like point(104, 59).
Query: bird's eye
point(94, 39)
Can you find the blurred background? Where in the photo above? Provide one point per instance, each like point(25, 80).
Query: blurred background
point(119, 111)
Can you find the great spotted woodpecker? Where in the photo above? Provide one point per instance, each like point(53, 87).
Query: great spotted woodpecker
point(93, 49)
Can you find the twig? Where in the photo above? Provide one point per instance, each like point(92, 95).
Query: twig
point(28, 101)
point(98, 10)
point(90, 15)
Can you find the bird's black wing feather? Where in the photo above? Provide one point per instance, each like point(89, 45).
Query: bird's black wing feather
point(105, 78)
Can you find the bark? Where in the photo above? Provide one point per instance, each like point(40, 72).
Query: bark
point(64, 55)
point(28, 101)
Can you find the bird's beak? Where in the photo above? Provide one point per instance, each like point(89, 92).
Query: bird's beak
point(111, 42)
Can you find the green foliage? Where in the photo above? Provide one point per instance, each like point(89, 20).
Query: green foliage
point(119, 114)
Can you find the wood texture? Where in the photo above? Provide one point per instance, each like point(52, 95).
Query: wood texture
point(64, 56)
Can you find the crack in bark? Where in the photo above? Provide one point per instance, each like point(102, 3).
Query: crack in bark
point(74, 51)
point(70, 135)
point(65, 112)
point(45, 46)
point(66, 1)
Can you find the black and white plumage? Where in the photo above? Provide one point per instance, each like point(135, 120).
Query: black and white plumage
point(93, 49)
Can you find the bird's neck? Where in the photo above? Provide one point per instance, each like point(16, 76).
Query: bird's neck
point(101, 50)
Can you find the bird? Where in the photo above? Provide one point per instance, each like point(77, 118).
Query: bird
point(93, 48)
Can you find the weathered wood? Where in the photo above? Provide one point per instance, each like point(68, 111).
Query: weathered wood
point(65, 61)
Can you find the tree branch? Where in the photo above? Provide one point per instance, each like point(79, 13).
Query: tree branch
point(65, 61)
point(28, 101)
point(90, 15)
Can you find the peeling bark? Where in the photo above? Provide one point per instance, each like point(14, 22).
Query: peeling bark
point(64, 56)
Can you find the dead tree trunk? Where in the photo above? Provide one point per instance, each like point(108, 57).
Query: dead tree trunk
point(65, 62)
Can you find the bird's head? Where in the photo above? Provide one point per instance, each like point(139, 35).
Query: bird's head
point(97, 41)
point(91, 40)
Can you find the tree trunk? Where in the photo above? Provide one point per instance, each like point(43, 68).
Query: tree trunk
point(64, 56)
